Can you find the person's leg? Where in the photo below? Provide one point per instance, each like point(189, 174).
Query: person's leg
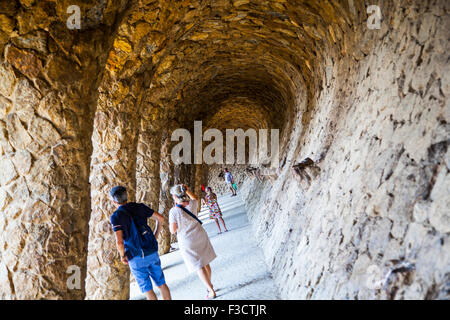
point(232, 189)
point(204, 276)
point(165, 292)
point(156, 273)
point(141, 273)
point(223, 222)
point(150, 295)
point(218, 225)
point(208, 270)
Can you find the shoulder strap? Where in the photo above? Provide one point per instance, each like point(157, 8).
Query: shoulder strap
point(134, 242)
point(131, 218)
point(189, 213)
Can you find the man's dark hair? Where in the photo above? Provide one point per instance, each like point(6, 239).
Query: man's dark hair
point(119, 194)
point(226, 169)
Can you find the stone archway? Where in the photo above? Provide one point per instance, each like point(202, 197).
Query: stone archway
point(362, 114)
point(49, 79)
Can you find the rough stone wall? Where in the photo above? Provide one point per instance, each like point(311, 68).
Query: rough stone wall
point(49, 77)
point(114, 160)
point(369, 106)
point(378, 132)
point(148, 182)
point(124, 127)
point(167, 171)
point(200, 177)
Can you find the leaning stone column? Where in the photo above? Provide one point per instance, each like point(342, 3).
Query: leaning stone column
point(165, 199)
point(201, 177)
point(147, 168)
point(148, 182)
point(113, 163)
point(191, 174)
point(49, 77)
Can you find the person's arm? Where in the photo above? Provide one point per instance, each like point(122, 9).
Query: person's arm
point(159, 222)
point(120, 246)
point(173, 227)
point(190, 193)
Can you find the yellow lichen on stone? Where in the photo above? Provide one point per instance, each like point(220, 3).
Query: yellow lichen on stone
point(141, 30)
point(308, 65)
point(199, 36)
point(151, 16)
point(311, 32)
point(27, 3)
point(287, 32)
point(121, 90)
point(278, 6)
point(115, 61)
point(122, 44)
point(330, 28)
point(238, 3)
point(294, 23)
point(6, 23)
point(189, 26)
point(165, 64)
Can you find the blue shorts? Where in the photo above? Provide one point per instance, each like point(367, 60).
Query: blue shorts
point(145, 268)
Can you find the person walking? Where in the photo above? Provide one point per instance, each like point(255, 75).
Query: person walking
point(229, 181)
point(214, 210)
point(137, 244)
point(194, 244)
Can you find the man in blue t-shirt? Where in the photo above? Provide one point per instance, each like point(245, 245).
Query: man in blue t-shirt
point(137, 244)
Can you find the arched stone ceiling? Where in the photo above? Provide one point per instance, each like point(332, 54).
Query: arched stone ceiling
point(200, 53)
point(238, 112)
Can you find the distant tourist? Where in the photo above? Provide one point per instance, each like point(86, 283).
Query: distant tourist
point(230, 181)
point(214, 210)
point(137, 244)
point(194, 244)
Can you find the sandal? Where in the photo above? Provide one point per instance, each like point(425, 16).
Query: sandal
point(208, 297)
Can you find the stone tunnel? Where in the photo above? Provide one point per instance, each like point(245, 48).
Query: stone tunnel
point(359, 98)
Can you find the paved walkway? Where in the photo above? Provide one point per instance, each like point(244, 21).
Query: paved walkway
point(239, 271)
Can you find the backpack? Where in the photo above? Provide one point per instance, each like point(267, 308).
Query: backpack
point(140, 241)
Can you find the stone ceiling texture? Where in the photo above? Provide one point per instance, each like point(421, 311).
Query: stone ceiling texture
point(239, 112)
point(201, 53)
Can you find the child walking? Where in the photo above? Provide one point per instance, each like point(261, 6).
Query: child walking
point(214, 209)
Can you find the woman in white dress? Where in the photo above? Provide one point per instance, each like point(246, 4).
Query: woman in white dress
point(194, 244)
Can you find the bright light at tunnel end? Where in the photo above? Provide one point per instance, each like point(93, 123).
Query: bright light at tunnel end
point(257, 142)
